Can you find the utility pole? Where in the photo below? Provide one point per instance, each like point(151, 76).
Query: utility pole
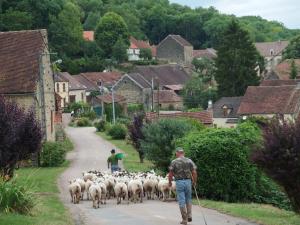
point(158, 97)
point(152, 93)
point(113, 105)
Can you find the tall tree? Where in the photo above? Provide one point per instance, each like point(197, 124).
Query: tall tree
point(294, 71)
point(293, 49)
point(15, 20)
point(119, 51)
point(65, 32)
point(110, 29)
point(236, 62)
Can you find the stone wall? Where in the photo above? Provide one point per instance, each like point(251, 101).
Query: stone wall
point(171, 50)
point(131, 91)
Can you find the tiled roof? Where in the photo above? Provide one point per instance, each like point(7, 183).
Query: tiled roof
point(265, 48)
point(166, 74)
point(209, 53)
point(90, 86)
point(107, 78)
point(283, 69)
point(279, 82)
point(108, 98)
point(174, 87)
point(88, 35)
point(166, 96)
point(270, 100)
point(204, 117)
point(232, 103)
point(19, 60)
point(140, 80)
point(59, 78)
point(134, 43)
point(73, 83)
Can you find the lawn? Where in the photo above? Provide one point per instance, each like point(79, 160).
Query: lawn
point(261, 214)
point(131, 162)
point(49, 210)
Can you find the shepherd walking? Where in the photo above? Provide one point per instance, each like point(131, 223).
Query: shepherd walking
point(184, 171)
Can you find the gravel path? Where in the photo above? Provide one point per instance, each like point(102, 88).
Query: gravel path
point(90, 153)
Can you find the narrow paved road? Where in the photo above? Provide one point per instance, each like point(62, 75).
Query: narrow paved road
point(90, 153)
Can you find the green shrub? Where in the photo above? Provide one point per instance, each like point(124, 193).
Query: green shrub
point(109, 111)
point(76, 106)
point(123, 120)
point(100, 125)
point(83, 122)
point(52, 154)
point(90, 114)
point(15, 197)
point(117, 131)
point(222, 162)
point(159, 140)
point(134, 108)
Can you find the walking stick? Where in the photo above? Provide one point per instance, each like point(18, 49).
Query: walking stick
point(194, 185)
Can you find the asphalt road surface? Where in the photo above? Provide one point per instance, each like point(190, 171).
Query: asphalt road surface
point(91, 152)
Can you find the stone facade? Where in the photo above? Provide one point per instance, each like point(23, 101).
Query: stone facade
point(62, 88)
point(77, 96)
point(175, 52)
point(133, 93)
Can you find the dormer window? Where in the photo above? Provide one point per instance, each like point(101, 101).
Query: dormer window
point(99, 83)
point(271, 52)
point(226, 110)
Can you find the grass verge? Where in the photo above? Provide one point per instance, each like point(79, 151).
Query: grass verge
point(49, 210)
point(131, 162)
point(261, 214)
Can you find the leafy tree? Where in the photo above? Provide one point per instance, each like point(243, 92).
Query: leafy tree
point(110, 29)
point(279, 156)
point(146, 54)
point(136, 134)
point(236, 62)
point(91, 21)
point(15, 20)
point(294, 71)
point(293, 49)
point(20, 134)
point(119, 51)
point(159, 141)
point(65, 31)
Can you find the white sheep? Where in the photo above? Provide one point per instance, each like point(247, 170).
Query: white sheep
point(95, 192)
point(150, 187)
point(164, 189)
point(75, 192)
point(103, 192)
point(121, 192)
point(82, 185)
point(88, 184)
point(135, 190)
point(89, 176)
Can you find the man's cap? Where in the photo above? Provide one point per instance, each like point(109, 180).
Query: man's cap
point(179, 149)
point(113, 151)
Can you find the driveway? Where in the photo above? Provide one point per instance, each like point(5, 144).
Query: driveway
point(91, 152)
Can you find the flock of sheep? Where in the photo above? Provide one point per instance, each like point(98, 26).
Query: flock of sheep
point(123, 185)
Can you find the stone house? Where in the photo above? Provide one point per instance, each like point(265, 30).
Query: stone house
point(225, 112)
point(283, 69)
point(175, 49)
point(26, 76)
point(135, 47)
point(272, 52)
point(62, 89)
point(135, 89)
point(208, 53)
point(90, 87)
point(268, 101)
point(76, 89)
point(167, 99)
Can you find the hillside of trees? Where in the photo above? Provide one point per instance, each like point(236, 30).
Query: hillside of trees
point(145, 19)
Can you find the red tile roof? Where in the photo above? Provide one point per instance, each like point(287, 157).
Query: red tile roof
point(88, 35)
point(74, 84)
point(19, 60)
point(204, 117)
point(265, 48)
point(108, 98)
point(138, 44)
point(166, 96)
point(270, 100)
point(174, 87)
point(209, 53)
point(283, 69)
point(107, 78)
point(154, 50)
point(279, 82)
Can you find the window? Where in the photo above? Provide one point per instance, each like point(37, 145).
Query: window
point(64, 87)
point(99, 83)
point(57, 87)
point(82, 95)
